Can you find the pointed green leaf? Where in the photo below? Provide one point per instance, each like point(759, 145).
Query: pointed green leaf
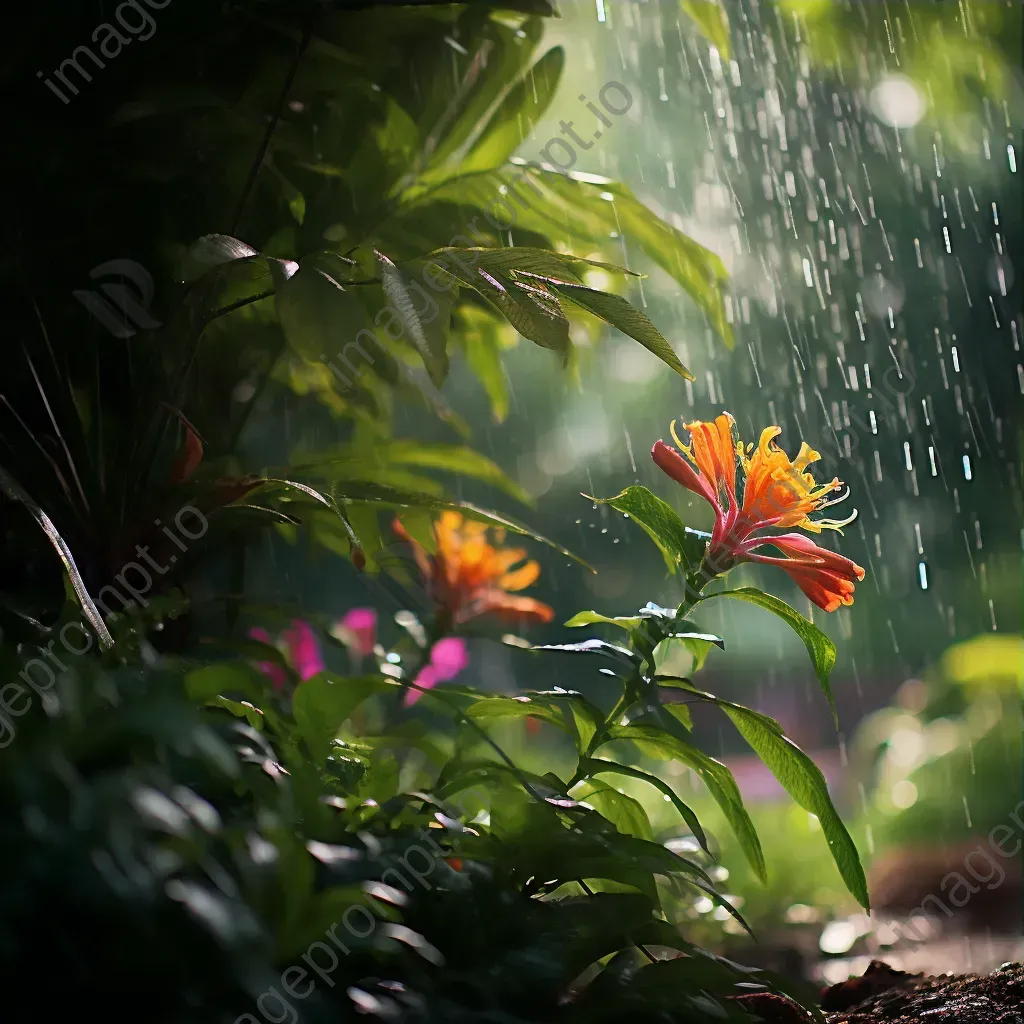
point(517, 113)
point(626, 622)
point(623, 316)
point(596, 765)
point(802, 780)
point(820, 648)
point(423, 314)
point(657, 743)
point(679, 546)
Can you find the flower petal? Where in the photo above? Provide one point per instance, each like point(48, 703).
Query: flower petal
point(521, 578)
point(303, 649)
point(448, 657)
point(669, 461)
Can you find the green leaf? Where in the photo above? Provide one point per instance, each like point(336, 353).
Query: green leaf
point(802, 780)
point(596, 765)
point(820, 648)
point(516, 115)
point(323, 320)
point(682, 713)
point(210, 681)
point(530, 307)
point(658, 743)
point(483, 353)
point(617, 311)
point(454, 459)
point(625, 813)
point(497, 708)
point(14, 491)
point(626, 622)
point(323, 703)
point(679, 546)
point(713, 22)
point(425, 327)
point(211, 251)
point(240, 709)
point(507, 50)
point(587, 718)
point(594, 646)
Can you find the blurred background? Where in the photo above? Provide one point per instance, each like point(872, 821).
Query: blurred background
point(856, 167)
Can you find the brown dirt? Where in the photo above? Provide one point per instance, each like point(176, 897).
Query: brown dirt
point(885, 996)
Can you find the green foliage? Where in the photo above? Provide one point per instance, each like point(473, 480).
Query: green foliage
point(178, 828)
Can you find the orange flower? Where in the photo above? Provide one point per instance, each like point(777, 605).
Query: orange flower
point(468, 577)
point(777, 492)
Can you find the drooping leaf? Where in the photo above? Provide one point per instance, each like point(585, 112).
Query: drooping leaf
point(617, 311)
point(597, 765)
point(658, 743)
point(378, 494)
point(680, 546)
point(802, 779)
point(426, 327)
point(820, 648)
point(532, 309)
point(589, 647)
point(554, 205)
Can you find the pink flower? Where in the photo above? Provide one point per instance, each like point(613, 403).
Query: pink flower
point(302, 649)
point(360, 624)
point(274, 673)
point(448, 657)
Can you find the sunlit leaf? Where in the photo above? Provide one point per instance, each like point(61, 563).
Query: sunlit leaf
point(820, 648)
point(518, 112)
point(618, 312)
point(659, 744)
point(802, 779)
point(680, 546)
point(596, 765)
point(423, 314)
point(625, 813)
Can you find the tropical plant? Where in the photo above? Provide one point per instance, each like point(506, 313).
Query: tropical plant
point(187, 823)
point(363, 155)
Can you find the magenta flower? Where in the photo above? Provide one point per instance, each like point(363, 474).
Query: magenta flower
point(301, 651)
point(358, 627)
point(448, 657)
point(274, 673)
